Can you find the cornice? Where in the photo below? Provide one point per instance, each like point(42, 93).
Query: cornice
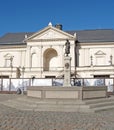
point(95, 43)
point(12, 46)
point(48, 40)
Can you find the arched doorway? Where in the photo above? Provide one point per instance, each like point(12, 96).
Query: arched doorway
point(50, 59)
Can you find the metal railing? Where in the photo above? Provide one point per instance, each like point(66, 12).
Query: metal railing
point(12, 84)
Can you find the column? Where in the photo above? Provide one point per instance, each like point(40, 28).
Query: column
point(28, 57)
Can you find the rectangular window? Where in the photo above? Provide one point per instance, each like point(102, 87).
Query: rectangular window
point(4, 76)
point(100, 60)
point(49, 76)
point(101, 76)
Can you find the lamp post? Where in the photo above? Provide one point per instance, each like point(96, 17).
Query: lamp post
point(23, 70)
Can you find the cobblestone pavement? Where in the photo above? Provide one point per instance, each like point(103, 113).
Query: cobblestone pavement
point(14, 119)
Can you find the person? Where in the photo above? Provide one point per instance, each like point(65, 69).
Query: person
point(19, 91)
point(67, 47)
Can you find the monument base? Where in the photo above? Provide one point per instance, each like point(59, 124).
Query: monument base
point(78, 93)
point(67, 71)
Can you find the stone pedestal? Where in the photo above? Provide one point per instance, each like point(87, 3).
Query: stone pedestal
point(67, 71)
point(77, 93)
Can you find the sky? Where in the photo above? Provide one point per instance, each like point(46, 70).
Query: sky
point(34, 15)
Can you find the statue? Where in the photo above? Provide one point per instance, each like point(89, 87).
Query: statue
point(67, 48)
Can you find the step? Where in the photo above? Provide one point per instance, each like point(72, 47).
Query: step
point(111, 103)
point(51, 101)
point(16, 104)
point(103, 108)
point(40, 103)
point(46, 106)
point(93, 105)
point(64, 108)
point(94, 101)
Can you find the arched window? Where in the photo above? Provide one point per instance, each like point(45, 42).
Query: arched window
point(50, 59)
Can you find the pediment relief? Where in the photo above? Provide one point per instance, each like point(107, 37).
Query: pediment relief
point(100, 53)
point(50, 33)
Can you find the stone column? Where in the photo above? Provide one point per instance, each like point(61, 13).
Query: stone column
point(41, 60)
point(67, 71)
point(28, 57)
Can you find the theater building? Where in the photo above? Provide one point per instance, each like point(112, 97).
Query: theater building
point(41, 54)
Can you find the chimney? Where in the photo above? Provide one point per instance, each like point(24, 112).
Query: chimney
point(59, 26)
point(26, 36)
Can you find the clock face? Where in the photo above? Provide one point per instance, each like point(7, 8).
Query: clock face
point(67, 65)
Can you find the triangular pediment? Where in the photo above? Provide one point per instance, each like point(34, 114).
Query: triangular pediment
point(100, 53)
point(49, 33)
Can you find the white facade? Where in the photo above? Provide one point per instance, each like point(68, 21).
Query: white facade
point(43, 56)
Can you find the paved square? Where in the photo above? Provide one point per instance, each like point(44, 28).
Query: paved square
point(15, 119)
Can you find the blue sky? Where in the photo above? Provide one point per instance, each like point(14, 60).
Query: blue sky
point(34, 15)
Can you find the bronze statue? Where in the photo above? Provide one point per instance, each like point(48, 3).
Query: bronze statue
point(67, 47)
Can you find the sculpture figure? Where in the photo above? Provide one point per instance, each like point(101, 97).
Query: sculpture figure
point(67, 47)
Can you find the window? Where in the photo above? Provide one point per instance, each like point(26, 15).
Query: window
point(8, 60)
point(101, 76)
point(100, 58)
point(49, 76)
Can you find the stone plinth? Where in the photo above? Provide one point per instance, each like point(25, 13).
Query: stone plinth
point(79, 93)
point(67, 71)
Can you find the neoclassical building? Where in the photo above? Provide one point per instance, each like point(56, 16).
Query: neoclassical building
point(41, 54)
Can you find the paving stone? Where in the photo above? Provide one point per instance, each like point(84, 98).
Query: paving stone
point(14, 119)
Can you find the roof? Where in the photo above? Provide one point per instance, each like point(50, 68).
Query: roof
point(13, 38)
point(99, 35)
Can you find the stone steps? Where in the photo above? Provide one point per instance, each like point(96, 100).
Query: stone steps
point(51, 101)
point(103, 108)
point(20, 105)
point(99, 100)
point(101, 104)
point(47, 105)
point(35, 104)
